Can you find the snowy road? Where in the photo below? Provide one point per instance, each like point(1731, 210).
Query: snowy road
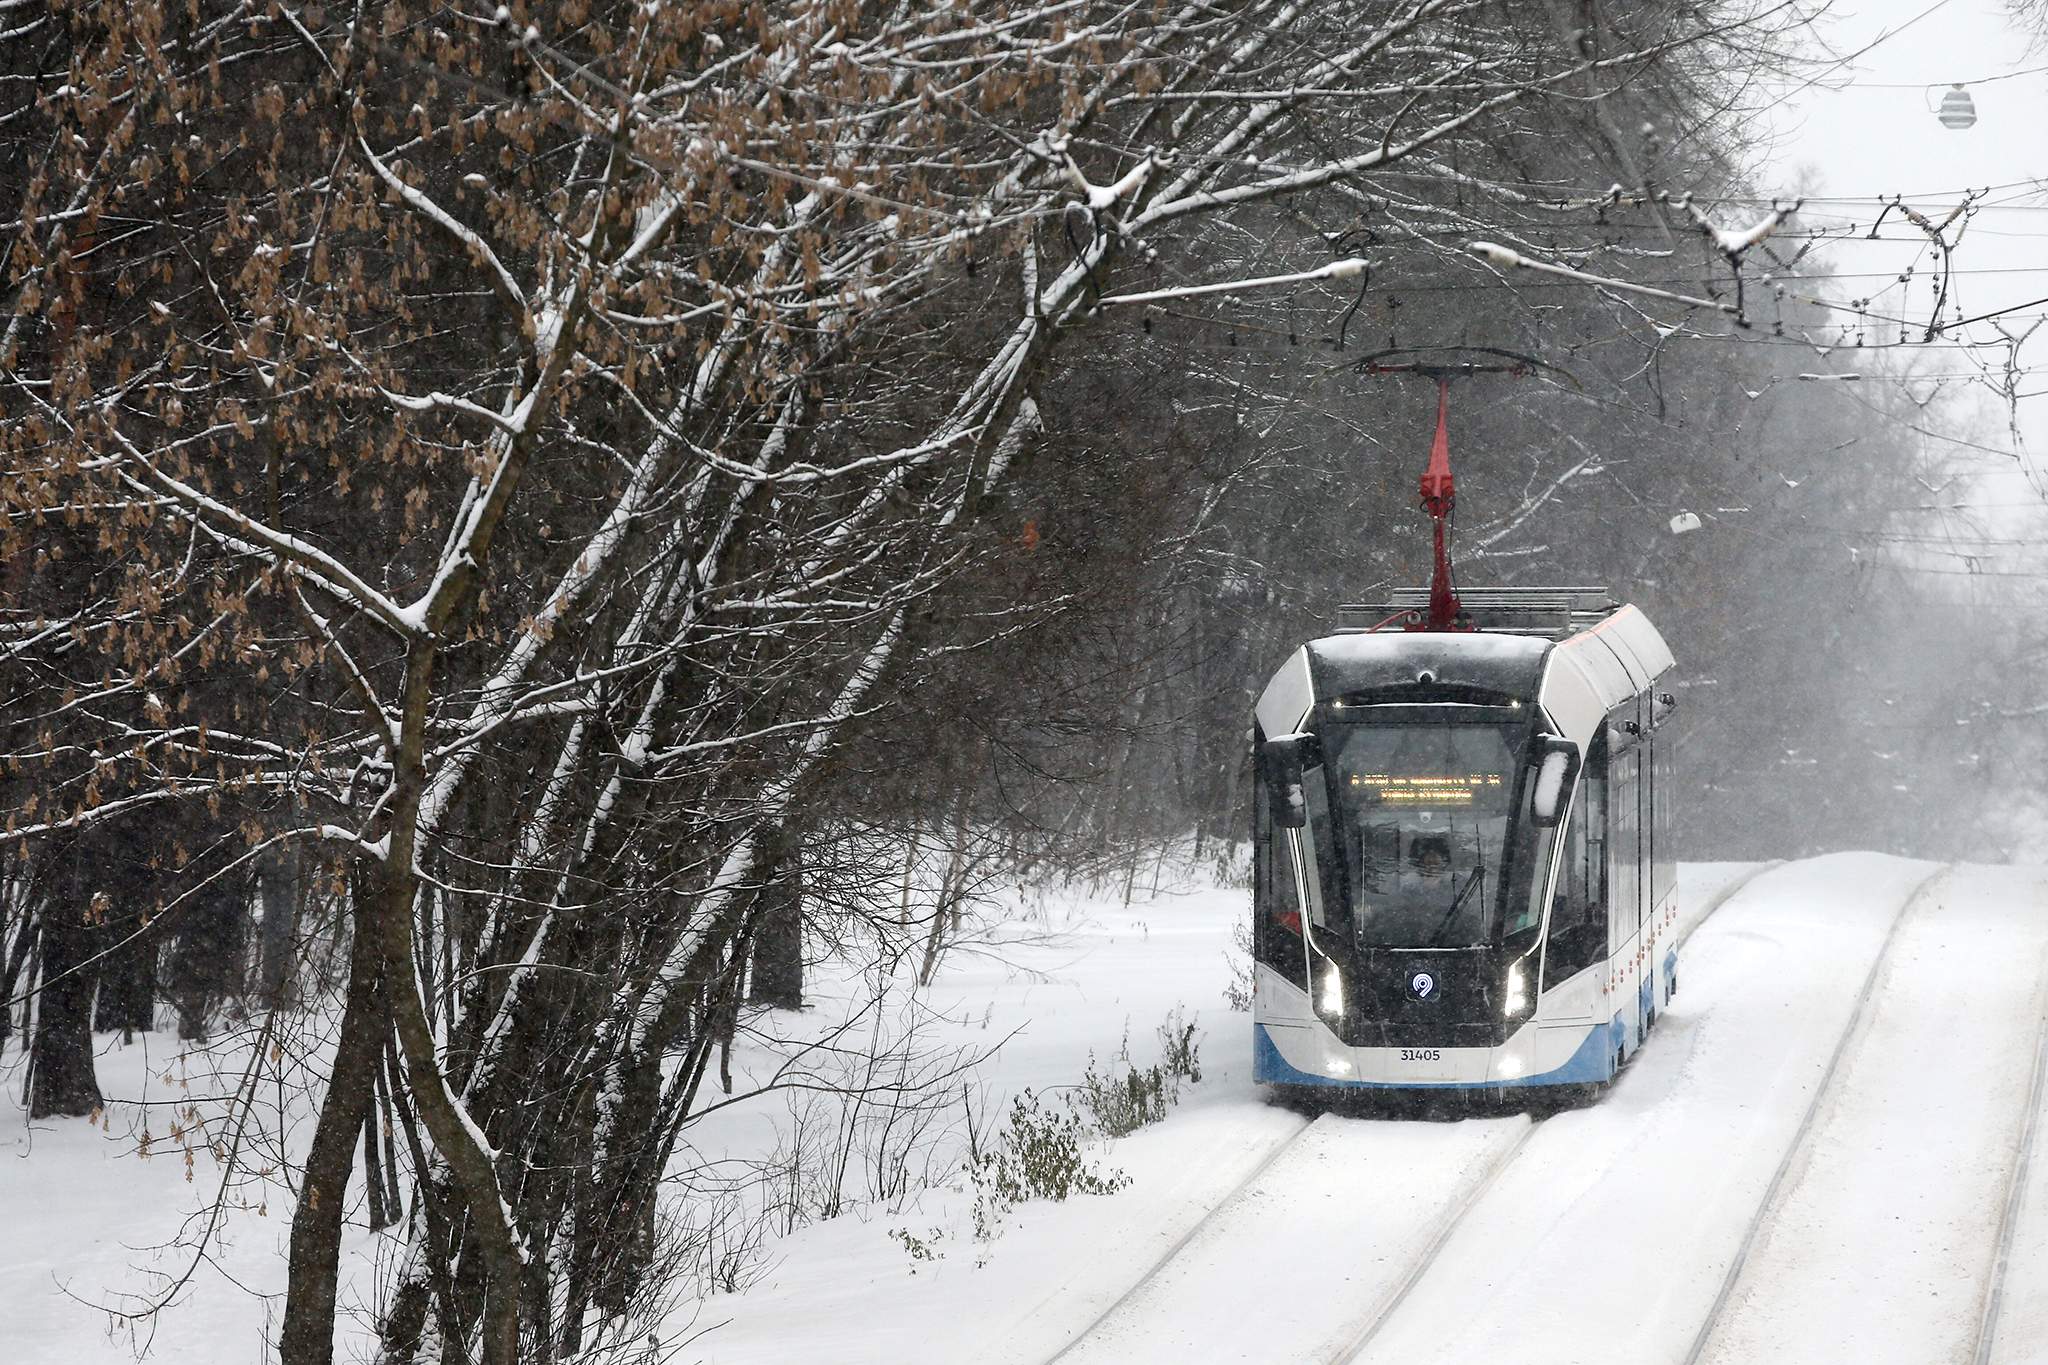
point(1614, 1233)
point(1812, 1162)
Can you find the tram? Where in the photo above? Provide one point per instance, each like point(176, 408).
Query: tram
point(1463, 857)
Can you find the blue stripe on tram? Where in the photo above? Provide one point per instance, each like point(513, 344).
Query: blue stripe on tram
point(1594, 1061)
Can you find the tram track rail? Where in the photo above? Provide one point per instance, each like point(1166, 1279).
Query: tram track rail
point(1187, 1237)
point(1780, 1184)
point(2015, 1195)
point(1353, 1344)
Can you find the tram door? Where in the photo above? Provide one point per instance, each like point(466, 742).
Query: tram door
point(1653, 887)
point(1663, 857)
point(1625, 775)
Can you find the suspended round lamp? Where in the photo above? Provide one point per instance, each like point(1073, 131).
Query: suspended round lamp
point(1958, 111)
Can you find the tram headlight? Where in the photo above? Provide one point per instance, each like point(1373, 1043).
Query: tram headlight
point(1333, 992)
point(1517, 1002)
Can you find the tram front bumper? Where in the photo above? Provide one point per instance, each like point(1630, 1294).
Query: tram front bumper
point(1535, 1054)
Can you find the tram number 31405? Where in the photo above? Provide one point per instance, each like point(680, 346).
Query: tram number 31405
point(1421, 1054)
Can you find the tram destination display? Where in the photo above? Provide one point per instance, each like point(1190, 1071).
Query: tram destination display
point(1415, 789)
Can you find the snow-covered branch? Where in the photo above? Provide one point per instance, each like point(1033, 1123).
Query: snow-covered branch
point(1506, 259)
point(1350, 268)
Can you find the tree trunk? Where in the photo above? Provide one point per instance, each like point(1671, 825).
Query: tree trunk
point(380, 1116)
point(381, 1215)
point(205, 966)
point(280, 896)
point(307, 1337)
point(778, 978)
point(946, 911)
point(427, 1274)
point(389, 910)
point(17, 957)
point(127, 999)
point(61, 1076)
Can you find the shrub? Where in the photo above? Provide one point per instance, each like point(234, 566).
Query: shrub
point(1128, 1097)
point(925, 1248)
point(1037, 1155)
point(1181, 1052)
point(1040, 1152)
point(1237, 995)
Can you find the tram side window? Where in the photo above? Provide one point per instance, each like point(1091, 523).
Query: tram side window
point(1624, 904)
point(1328, 912)
point(1665, 867)
point(1276, 904)
point(1578, 915)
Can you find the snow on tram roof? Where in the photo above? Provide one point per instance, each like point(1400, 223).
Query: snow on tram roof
point(1509, 664)
point(1577, 650)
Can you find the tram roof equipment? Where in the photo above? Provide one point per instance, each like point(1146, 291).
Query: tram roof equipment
point(1552, 613)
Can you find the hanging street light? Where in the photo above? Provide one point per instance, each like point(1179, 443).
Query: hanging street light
point(1958, 111)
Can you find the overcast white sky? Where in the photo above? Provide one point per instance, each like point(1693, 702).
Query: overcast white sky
point(1877, 135)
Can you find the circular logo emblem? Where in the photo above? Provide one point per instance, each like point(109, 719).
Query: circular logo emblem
point(1422, 984)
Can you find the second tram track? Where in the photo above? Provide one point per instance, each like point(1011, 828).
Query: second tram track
point(1773, 1194)
point(2015, 1195)
point(1724, 894)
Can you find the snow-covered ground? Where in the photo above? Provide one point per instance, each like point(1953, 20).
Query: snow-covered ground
point(98, 1217)
point(1856, 1221)
point(1602, 1233)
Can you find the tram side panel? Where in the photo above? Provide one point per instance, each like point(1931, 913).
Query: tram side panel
point(1664, 862)
point(1627, 916)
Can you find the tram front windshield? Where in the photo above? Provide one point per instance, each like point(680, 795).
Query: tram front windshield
point(1425, 830)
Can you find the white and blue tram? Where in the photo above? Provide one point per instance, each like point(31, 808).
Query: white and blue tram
point(1463, 867)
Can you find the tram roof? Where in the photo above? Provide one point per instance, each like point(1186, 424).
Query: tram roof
point(1577, 675)
point(1508, 664)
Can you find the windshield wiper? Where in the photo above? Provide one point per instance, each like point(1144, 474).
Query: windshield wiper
point(1457, 902)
